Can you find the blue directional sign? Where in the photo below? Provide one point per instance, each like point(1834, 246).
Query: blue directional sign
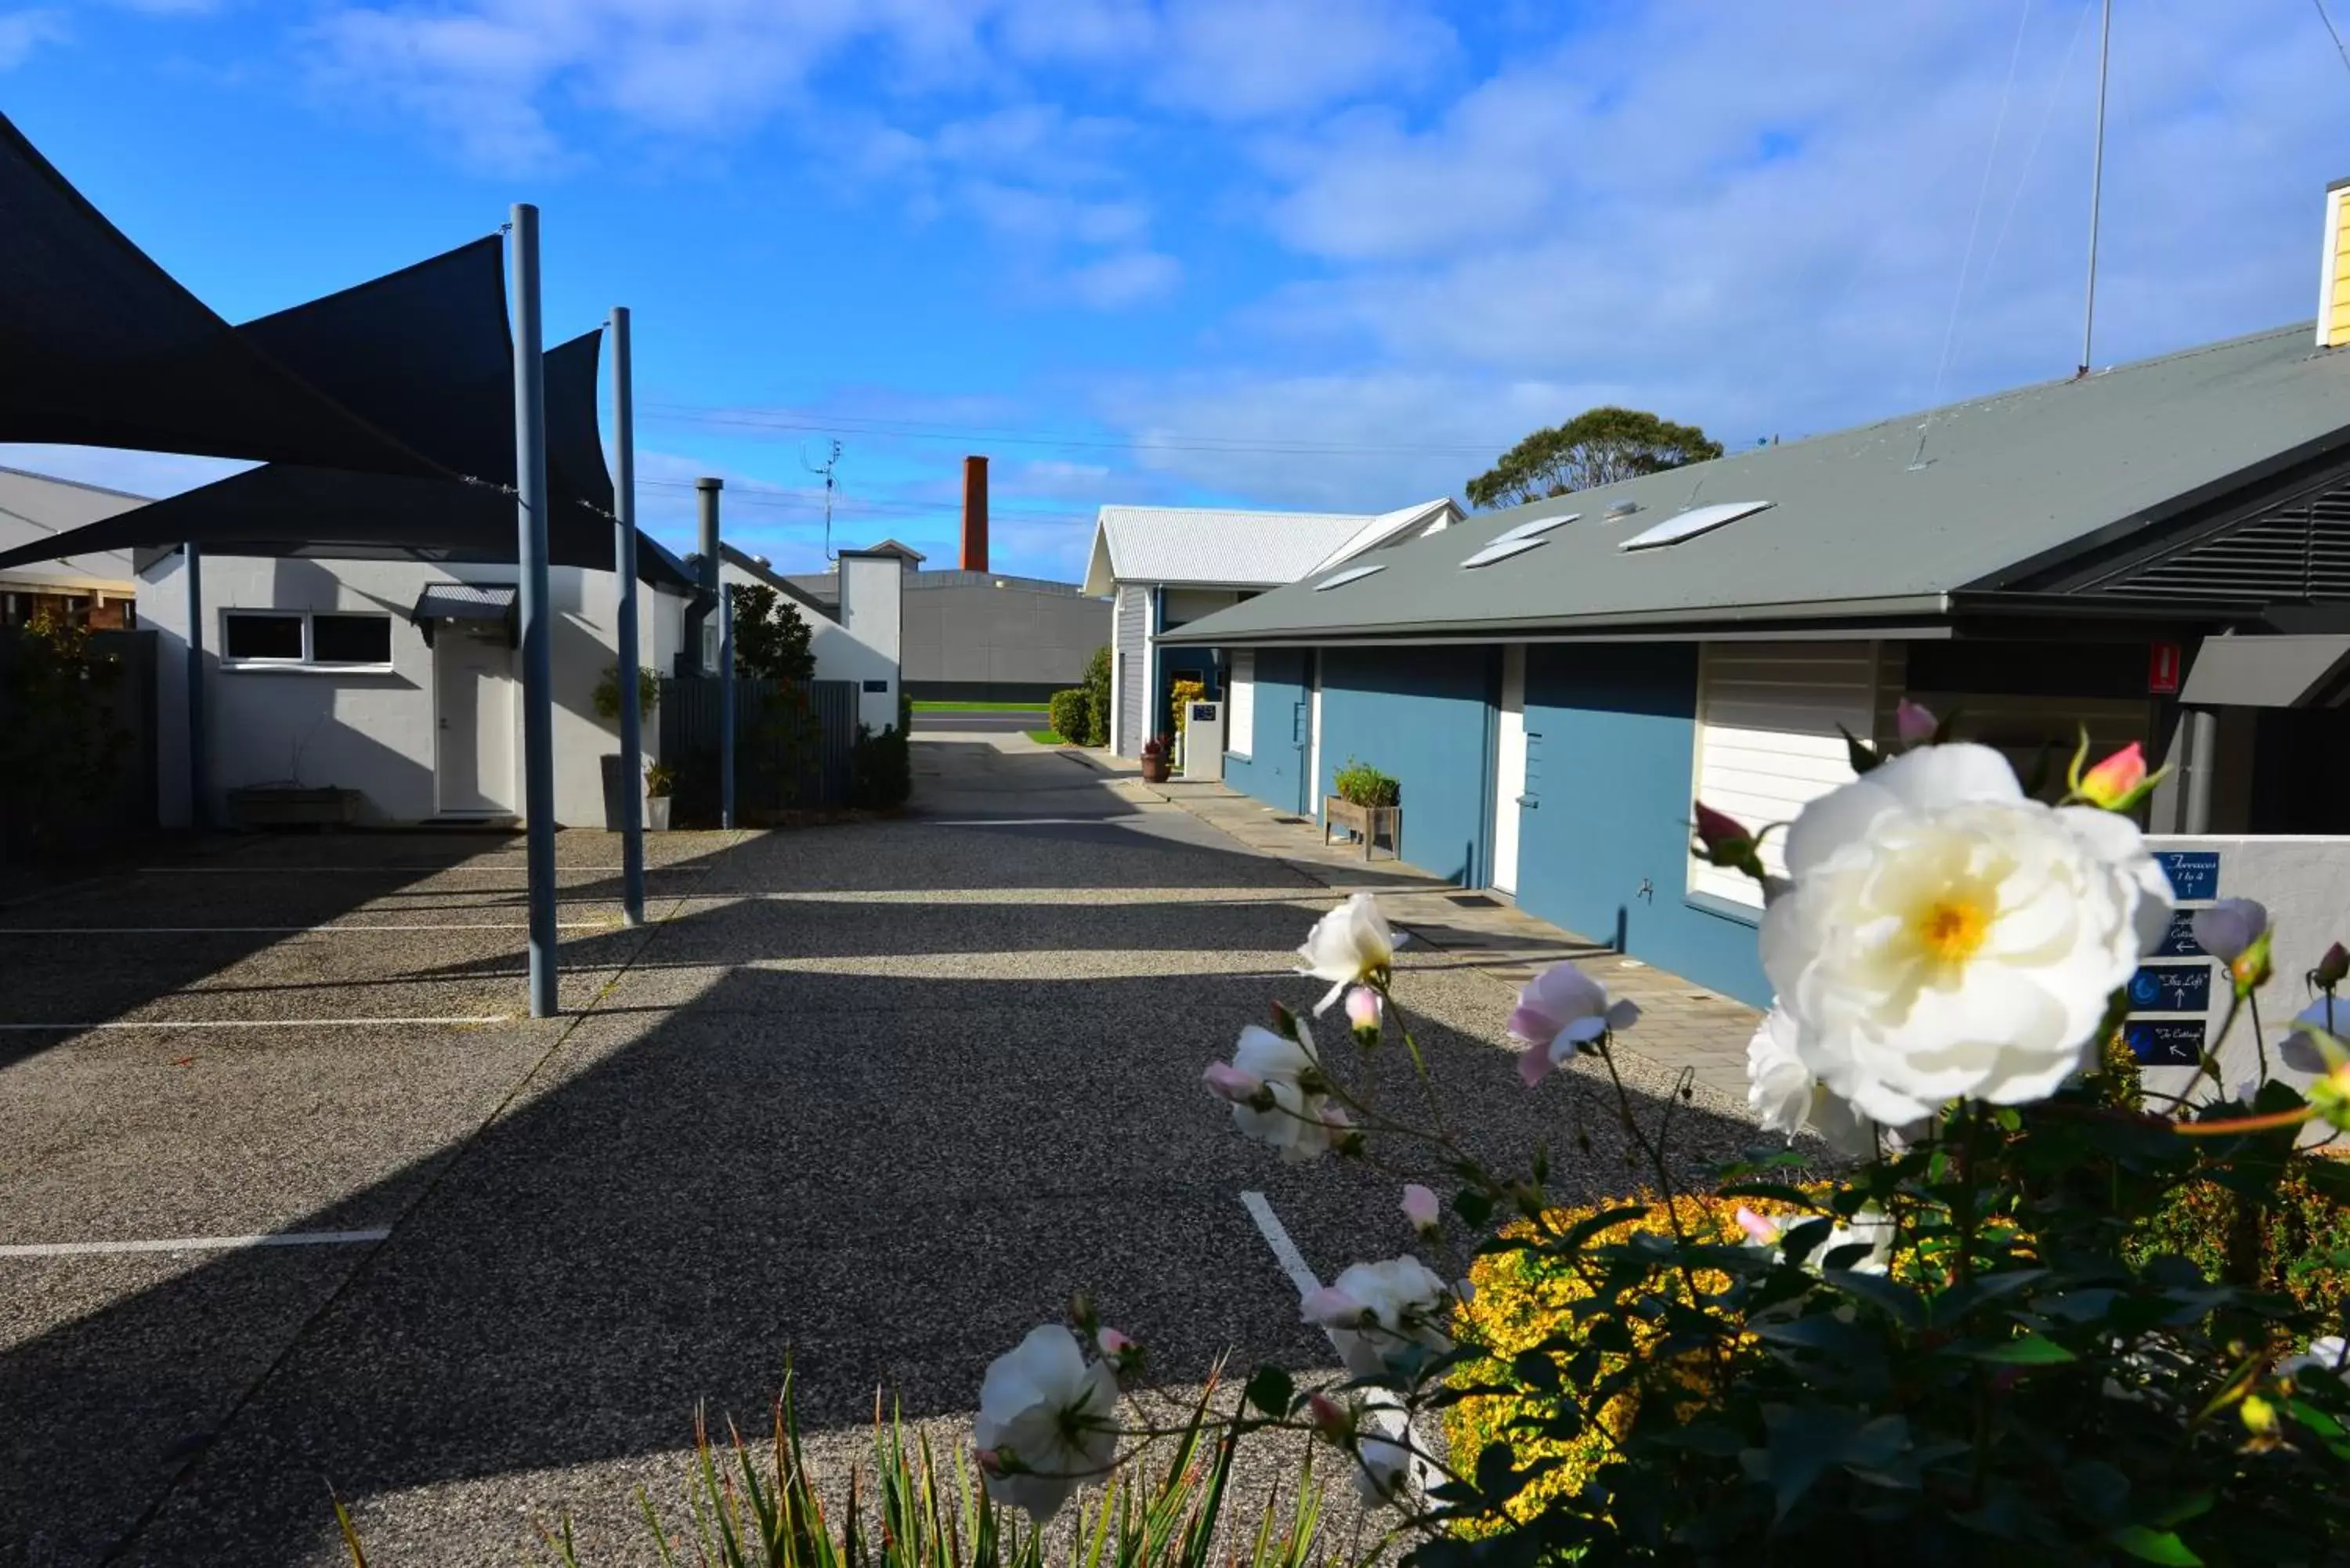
point(2179, 941)
point(2171, 988)
point(2194, 873)
point(2157, 1043)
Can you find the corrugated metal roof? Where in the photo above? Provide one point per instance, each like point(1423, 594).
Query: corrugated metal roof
point(1210, 544)
point(34, 506)
point(1886, 516)
point(463, 601)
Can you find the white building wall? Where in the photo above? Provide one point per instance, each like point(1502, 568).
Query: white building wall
point(872, 609)
point(374, 731)
point(840, 654)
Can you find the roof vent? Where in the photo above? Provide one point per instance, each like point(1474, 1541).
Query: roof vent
point(1351, 575)
point(1690, 524)
point(1624, 508)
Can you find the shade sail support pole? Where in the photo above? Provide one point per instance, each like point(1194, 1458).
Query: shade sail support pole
point(199, 764)
point(624, 568)
point(538, 682)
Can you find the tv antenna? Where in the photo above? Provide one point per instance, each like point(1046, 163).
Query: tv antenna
point(830, 462)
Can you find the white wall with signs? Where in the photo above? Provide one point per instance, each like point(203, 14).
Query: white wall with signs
point(2180, 996)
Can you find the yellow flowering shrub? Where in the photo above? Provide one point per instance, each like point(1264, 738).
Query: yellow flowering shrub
point(1523, 1297)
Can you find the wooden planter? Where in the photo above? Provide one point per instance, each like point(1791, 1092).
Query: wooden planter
point(1366, 823)
point(293, 807)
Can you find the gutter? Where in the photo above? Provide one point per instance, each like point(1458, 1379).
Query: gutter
point(1909, 615)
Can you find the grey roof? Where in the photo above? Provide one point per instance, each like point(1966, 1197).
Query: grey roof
point(1225, 547)
point(35, 506)
point(1887, 519)
point(463, 601)
point(793, 589)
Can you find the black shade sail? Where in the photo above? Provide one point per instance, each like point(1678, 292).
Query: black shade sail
point(101, 347)
point(288, 510)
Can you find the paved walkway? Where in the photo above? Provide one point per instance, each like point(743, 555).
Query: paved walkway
point(867, 1100)
point(1682, 1024)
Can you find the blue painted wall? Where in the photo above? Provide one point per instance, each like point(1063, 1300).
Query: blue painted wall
point(1612, 768)
point(1272, 770)
point(1425, 715)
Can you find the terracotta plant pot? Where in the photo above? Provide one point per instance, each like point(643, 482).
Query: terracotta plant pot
point(1154, 767)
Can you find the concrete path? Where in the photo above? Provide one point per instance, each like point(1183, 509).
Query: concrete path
point(868, 1101)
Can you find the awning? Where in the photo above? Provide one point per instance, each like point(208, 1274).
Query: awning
point(2301, 670)
point(465, 601)
point(103, 347)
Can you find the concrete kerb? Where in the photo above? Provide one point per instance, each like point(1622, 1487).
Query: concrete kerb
point(1684, 1025)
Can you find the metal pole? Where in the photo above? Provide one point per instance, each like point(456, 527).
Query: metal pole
point(726, 706)
point(199, 764)
point(2096, 189)
point(624, 571)
point(2202, 757)
point(538, 684)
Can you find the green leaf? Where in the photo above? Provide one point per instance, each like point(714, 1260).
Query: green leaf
point(2029, 1351)
point(2155, 1546)
point(1271, 1389)
point(1859, 753)
point(1536, 1371)
point(1905, 1304)
point(1954, 1303)
point(1580, 1235)
point(1474, 1207)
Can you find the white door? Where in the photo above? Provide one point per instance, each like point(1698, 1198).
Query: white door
point(1313, 738)
point(1510, 775)
point(474, 754)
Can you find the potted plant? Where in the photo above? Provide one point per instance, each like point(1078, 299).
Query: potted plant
point(1154, 760)
point(660, 781)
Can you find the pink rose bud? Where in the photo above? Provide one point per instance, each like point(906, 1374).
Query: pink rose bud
point(1915, 722)
point(1330, 1418)
point(2333, 969)
point(1118, 1349)
point(1757, 1227)
point(1344, 1137)
point(1363, 1010)
point(1227, 1082)
point(2230, 927)
point(1419, 1207)
point(1716, 828)
point(1331, 1307)
point(2116, 780)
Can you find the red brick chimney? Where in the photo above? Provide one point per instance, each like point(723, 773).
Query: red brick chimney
point(974, 514)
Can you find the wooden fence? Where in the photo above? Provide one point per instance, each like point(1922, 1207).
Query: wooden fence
point(793, 745)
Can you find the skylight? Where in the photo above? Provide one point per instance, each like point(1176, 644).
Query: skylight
point(1501, 549)
point(1539, 526)
point(1351, 575)
point(1690, 524)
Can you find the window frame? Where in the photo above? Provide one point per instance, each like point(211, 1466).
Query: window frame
point(308, 662)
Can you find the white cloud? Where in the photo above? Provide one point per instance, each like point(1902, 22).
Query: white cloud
point(22, 32)
point(1130, 278)
point(1258, 59)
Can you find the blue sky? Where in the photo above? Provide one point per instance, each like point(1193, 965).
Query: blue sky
point(1328, 254)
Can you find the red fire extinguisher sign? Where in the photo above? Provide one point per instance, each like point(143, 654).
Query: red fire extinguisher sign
point(2162, 670)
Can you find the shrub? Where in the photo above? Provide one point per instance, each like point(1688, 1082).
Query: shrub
point(608, 692)
point(1359, 783)
point(1097, 685)
point(882, 767)
point(1180, 696)
point(1073, 715)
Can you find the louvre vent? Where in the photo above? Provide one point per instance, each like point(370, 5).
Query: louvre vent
point(2299, 550)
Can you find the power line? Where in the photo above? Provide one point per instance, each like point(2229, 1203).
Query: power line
point(693, 415)
point(2332, 33)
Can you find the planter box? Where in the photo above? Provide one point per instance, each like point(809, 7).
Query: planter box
point(1366, 823)
point(293, 807)
point(657, 813)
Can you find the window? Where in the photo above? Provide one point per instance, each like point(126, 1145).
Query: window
point(1239, 704)
point(1772, 719)
point(298, 639)
point(1688, 525)
point(351, 639)
point(263, 639)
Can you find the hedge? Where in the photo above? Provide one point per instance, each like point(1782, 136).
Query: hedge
point(1073, 715)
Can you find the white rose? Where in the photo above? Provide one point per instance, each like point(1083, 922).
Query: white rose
point(1295, 1123)
point(1381, 1317)
point(1784, 1095)
point(1047, 1421)
point(1946, 937)
point(1348, 945)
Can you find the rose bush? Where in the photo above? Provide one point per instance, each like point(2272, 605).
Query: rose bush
point(1973, 1344)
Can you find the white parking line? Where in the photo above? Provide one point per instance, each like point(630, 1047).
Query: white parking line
point(253, 1023)
point(514, 870)
point(1284, 1250)
point(197, 1243)
point(1021, 820)
point(339, 929)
